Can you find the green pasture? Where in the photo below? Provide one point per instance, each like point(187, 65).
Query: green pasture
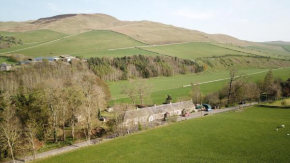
point(274, 50)
point(116, 53)
point(30, 39)
point(192, 50)
point(247, 51)
point(246, 136)
point(6, 60)
point(287, 48)
point(173, 86)
point(82, 43)
point(279, 103)
point(35, 36)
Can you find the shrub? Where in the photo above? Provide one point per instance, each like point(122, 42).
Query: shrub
point(284, 103)
point(140, 127)
point(172, 118)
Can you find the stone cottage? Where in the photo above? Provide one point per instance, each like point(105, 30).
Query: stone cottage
point(149, 114)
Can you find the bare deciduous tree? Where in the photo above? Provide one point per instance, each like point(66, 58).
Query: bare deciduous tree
point(75, 99)
point(119, 115)
point(195, 93)
point(233, 85)
point(138, 89)
point(31, 131)
point(252, 91)
point(9, 125)
point(93, 101)
point(130, 91)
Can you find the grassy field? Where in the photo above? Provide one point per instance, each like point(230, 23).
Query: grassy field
point(6, 60)
point(244, 49)
point(30, 39)
point(35, 36)
point(273, 50)
point(116, 53)
point(241, 62)
point(192, 50)
point(97, 43)
point(287, 48)
point(80, 44)
point(199, 50)
point(173, 86)
point(247, 136)
point(280, 103)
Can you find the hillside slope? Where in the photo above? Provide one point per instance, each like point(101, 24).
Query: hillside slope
point(145, 31)
point(91, 41)
point(37, 32)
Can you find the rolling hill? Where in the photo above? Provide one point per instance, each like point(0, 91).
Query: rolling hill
point(92, 35)
point(145, 31)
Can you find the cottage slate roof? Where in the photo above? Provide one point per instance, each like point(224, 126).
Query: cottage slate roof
point(131, 114)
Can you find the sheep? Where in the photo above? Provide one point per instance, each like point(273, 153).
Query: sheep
point(282, 126)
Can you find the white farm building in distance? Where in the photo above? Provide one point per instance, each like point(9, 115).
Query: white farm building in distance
point(5, 67)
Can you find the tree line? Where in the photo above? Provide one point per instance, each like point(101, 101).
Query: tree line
point(7, 41)
point(39, 101)
point(140, 66)
point(239, 89)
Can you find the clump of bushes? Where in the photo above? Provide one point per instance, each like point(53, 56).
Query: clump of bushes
point(284, 103)
point(7, 41)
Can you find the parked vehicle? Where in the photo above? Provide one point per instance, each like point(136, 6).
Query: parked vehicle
point(242, 102)
point(207, 107)
point(186, 114)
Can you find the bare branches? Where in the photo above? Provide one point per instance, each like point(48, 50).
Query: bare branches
point(9, 125)
point(31, 131)
point(234, 85)
point(195, 93)
point(138, 89)
point(46, 97)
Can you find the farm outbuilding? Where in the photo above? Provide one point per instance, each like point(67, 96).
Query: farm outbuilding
point(5, 67)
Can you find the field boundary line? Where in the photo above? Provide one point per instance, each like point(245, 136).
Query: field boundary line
point(287, 51)
point(157, 45)
point(228, 48)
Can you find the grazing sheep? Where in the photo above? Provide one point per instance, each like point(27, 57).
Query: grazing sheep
point(283, 126)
